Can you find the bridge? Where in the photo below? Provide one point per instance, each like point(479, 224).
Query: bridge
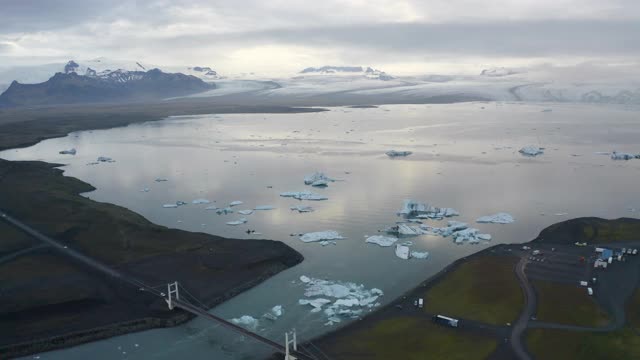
point(290, 348)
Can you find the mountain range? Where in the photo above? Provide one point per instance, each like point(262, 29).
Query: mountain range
point(69, 87)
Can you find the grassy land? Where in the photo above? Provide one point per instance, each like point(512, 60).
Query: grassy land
point(592, 231)
point(633, 310)
point(484, 289)
point(550, 344)
point(411, 338)
point(568, 304)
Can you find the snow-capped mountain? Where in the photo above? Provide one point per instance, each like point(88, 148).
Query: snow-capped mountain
point(368, 72)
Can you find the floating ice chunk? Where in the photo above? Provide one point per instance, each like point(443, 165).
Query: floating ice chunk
point(200, 201)
point(245, 212)
point(419, 255)
point(547, 110)
point(180, 203)
point(68, 152)
point(274, 313)
point(326, 242)
point(347, 302)
point(145, 189)
point(212, 207)
point(305, 279)
point(235, 203)
point(316, 303)
point(394, 153)
point(623, 156)
point(382, 240)
point(403, 252)
point(302, 208)
point(161, 180)
point(404, 229)
point(531, 150)
point(170, 206)
point(224, 211)
point(320, 236)
point(303, 195)
point(237, 222)
point(471, 235)
point(317, 179)
point(499, 218)
point(246, 321)
point(104, 159)
point(424, 211)
point(264, 207)
point(485, 237)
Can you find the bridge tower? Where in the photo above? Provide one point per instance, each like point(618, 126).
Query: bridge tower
point(293, 341)
point(172, 292)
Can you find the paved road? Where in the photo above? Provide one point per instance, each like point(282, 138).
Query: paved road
point(529, 307)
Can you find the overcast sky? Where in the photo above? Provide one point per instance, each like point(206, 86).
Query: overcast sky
point(275, 36)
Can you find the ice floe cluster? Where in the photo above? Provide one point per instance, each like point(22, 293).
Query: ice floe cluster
point(303, 195)
point(251, 323)
point(320, 236)
point(419, 210)
point(499, 218)
point(338, 300)
point(459, 231)
point(624, 156)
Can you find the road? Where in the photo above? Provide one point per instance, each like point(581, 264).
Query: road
point(529, 308)
point(96, 265)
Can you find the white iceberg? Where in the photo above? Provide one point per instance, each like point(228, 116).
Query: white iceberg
point(200, 201)
point(406, 230)
point(383, 241)
point(419, 255)
point(274, 313)
point(394, 153)
point(212, 207)
point(623, 156)
point(170, 206)
point(531, 150)
point(499, 218)
point(403, 252)
point(237, 222)
point(68, 152)
point(246, 321)
point(264, 207)
point(245, 212)
point(320, 236)
point(145, 189)
point(305, 279)
point(412, 208)
point(302, 208)
point(303, 195)
point(161, 180)
point(235, 203)
point(317, 179)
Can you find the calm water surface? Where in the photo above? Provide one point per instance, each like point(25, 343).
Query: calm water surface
point(465, 157)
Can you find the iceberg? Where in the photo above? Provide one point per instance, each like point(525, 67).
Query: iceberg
point(246, 321)
point(170, 206)
point(413, 208)
point(264, 207)
point(317, 179)
point(212, 207)
point(499, 218)
point(303, 195)
point(320, 236)
point(161, 180)
point(274, 313)
point(235, 203)
point(145, 189)
point(383, 241)
point(419, 255)
point(403, 252)
point(302, 208)
point(531, 150)
point(245, 212)
point(200, 201)
point(404, 229)
point(237, 222)
point(68, 152)
point(459, 231)
point(104, 159)
point(623, 156)
point(224, 211)
point(394, 153)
